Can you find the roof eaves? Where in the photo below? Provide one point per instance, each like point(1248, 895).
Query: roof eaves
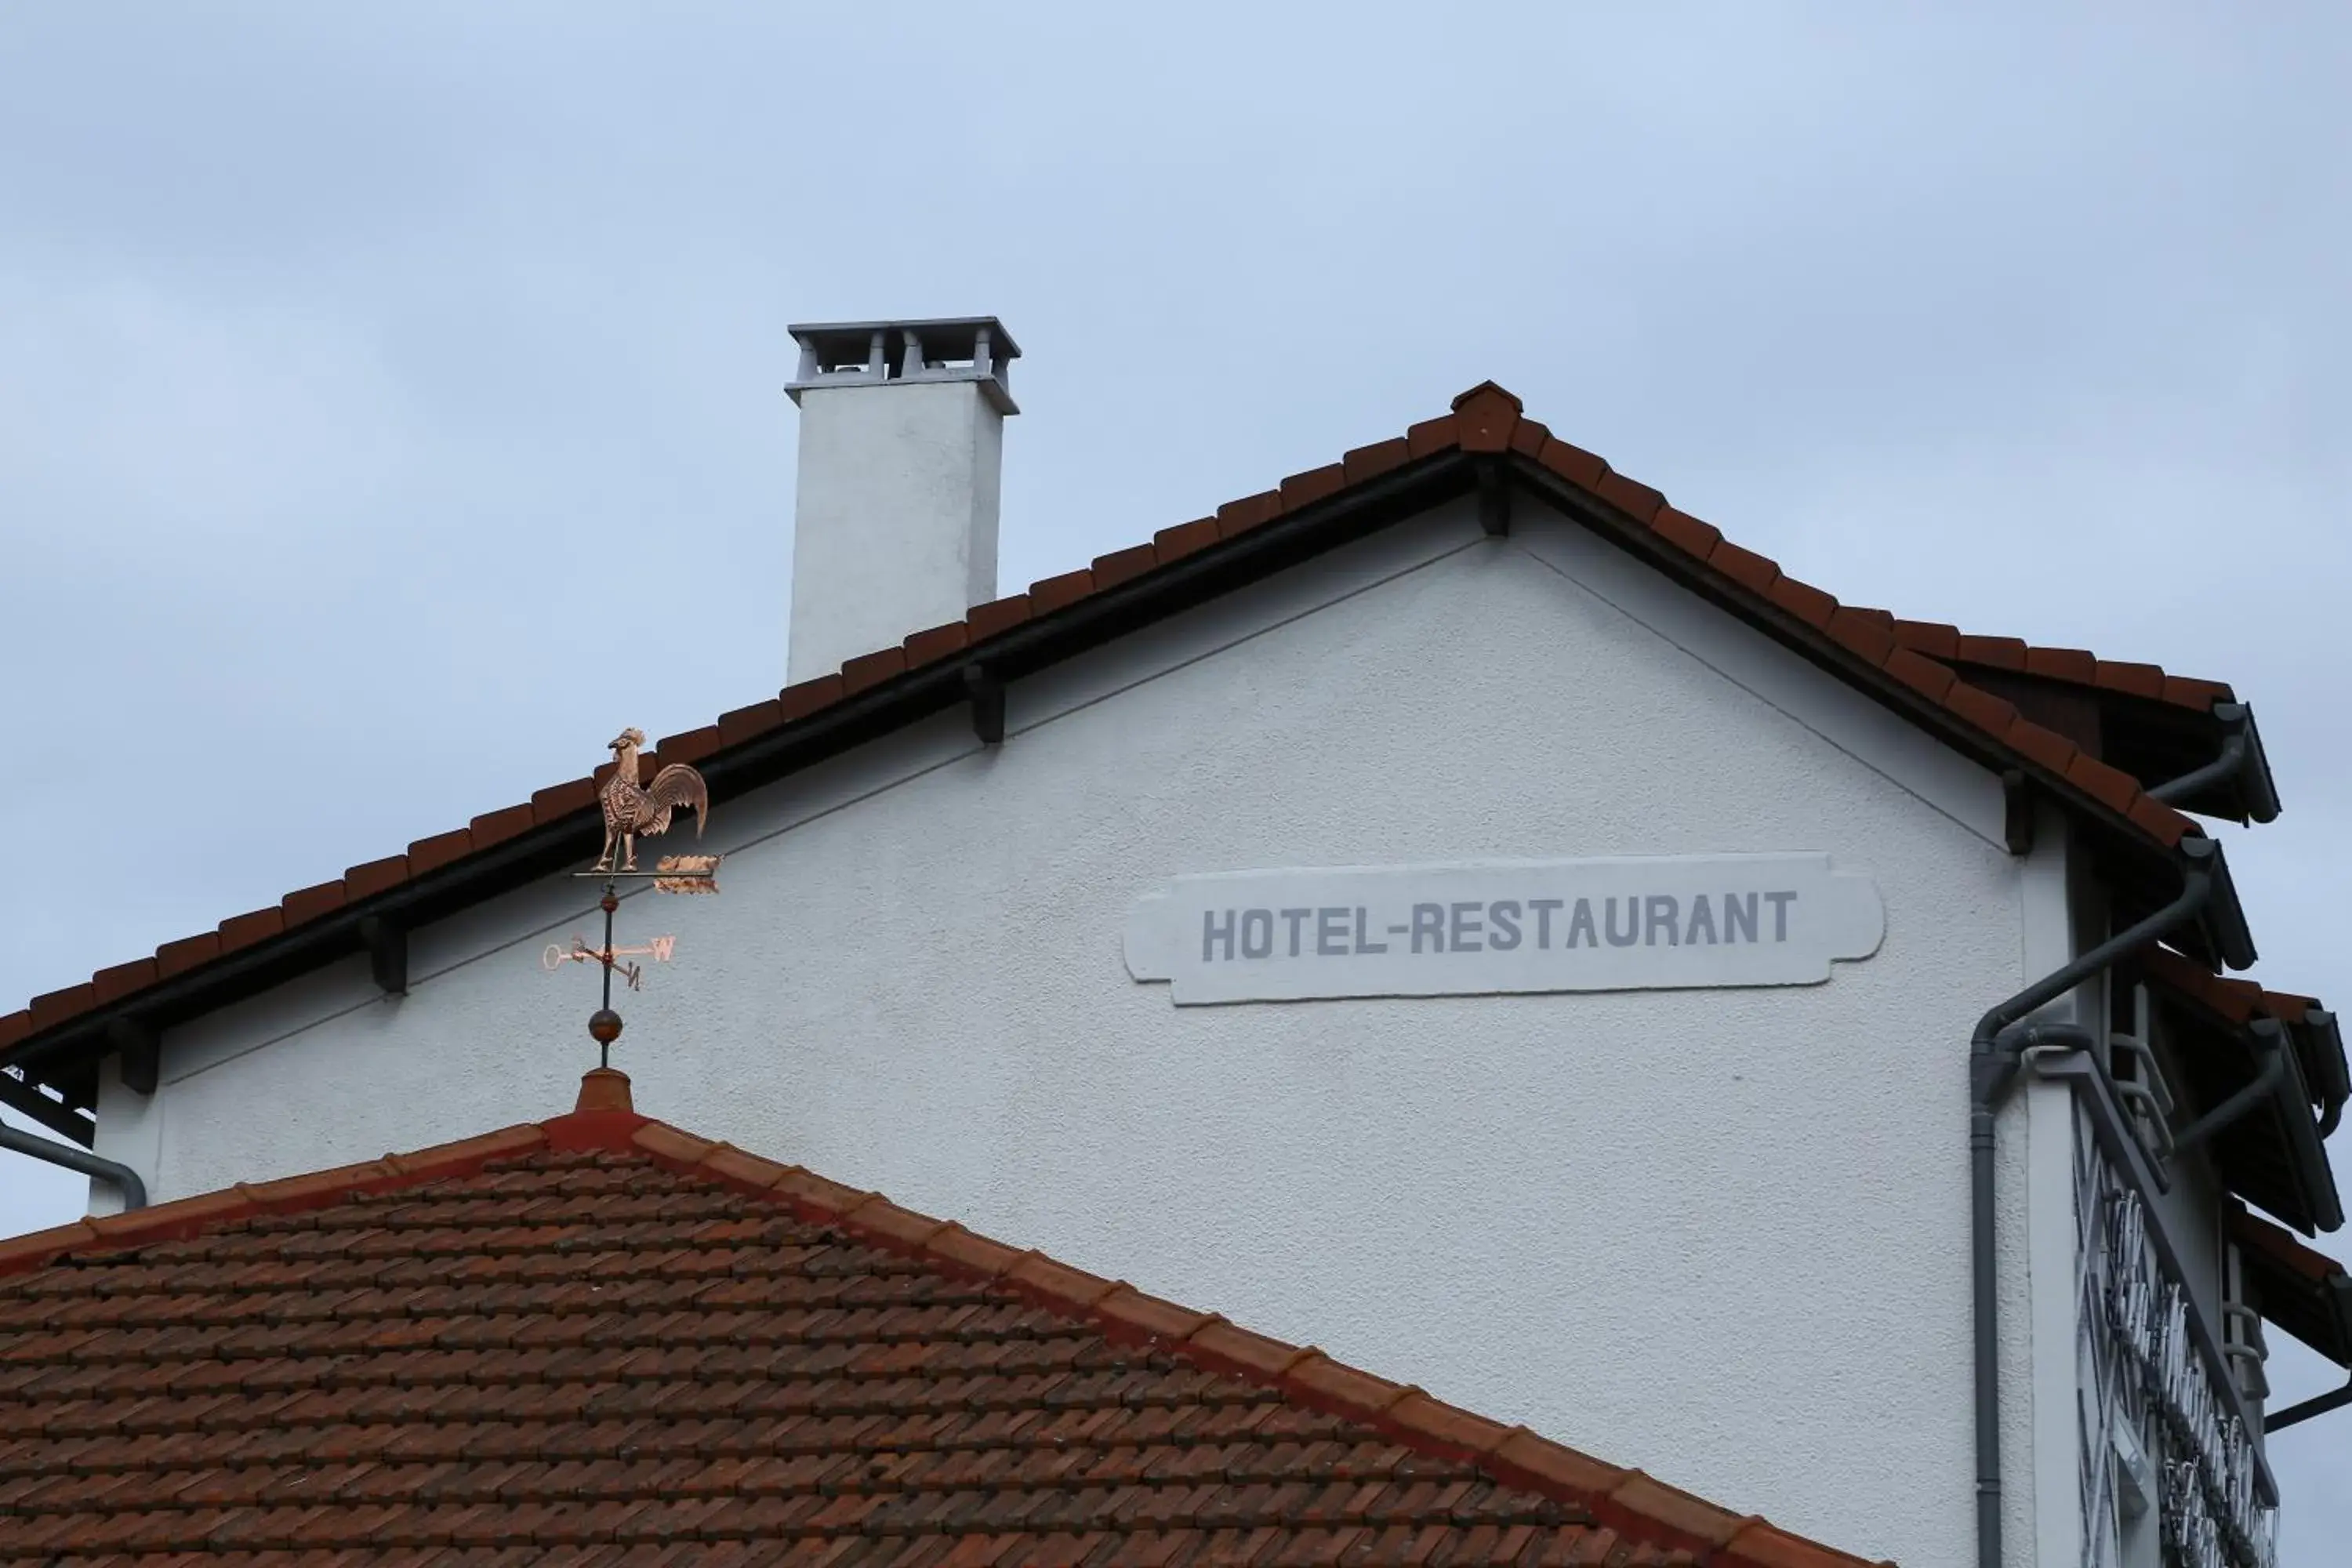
point(2311, 1275)
point(2257, 1021)
point(1624, 1499)
point(877, 691)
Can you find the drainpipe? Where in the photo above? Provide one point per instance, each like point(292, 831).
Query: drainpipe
point(2279, 1420)
point(2225, 764)
point(1993, 1054)
point(123, 1177)
point(2263, 1085)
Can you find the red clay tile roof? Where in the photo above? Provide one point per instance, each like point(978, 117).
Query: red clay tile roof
point(1867, 646)
point(604, 1338)
point(2276, 1159)
point(2074, 666)
point(2304, 1292)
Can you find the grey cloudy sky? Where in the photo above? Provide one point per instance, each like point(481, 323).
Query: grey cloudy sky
point(351, 357)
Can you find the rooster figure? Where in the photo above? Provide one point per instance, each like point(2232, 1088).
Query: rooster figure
point(633, 810)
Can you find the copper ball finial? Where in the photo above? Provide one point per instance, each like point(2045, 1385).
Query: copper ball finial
point(603, 1025)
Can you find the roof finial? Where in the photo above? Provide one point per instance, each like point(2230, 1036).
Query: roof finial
point(603, 1088)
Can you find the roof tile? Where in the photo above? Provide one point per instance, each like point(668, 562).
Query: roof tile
point(1184, 539)
point(179, 957)
point(804, 698)
point(1124, 565)
point(2111, 786)
point(431, 854)
point(123, 979)
point(1371, 462)
point(998, 616)
point(563, 799)
point(1314, 485)
point(2184, 692)
point(51, 1006)
point(310, 903)
point(935, 643)
point(1486, 419)
point(868, 669)
point(1802, 600)
point(2045, 748)
point(692, 746)
point(1745, 567)
point(2131, 680)
point(1934, 638)
point(1981, 709)
point(244, 931)
point(1687, 532)
point(2063, 664)
point(1574, 464)
point(739, 725)
point(1864, 633)
point(367, 881)
point(1634, 499)
point(1054, 593)
point(1237, 516)
point(1430, 436)
point(1925, 676)
point(1996, 653)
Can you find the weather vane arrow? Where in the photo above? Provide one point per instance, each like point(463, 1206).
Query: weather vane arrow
point(632, 811)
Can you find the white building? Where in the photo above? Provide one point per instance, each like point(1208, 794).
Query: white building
point(1452, 885)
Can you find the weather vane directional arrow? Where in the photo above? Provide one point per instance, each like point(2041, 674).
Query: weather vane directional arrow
point(634, 811)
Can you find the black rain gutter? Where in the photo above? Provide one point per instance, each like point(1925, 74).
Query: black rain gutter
point(1994, 1052)
point(123, 1177)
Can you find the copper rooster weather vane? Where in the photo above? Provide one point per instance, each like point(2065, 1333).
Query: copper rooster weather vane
point(634, 811)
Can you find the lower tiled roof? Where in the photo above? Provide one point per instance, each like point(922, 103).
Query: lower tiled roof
point(600, 1339)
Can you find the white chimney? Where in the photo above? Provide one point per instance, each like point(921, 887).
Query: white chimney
point(902, 439)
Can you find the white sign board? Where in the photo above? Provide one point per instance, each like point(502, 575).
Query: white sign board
point(1480, 928)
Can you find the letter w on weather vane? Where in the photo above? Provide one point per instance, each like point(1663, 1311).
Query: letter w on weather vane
point(634, 809)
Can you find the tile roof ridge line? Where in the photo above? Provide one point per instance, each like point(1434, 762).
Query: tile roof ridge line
point(1624, 1500)
point(179, 1218)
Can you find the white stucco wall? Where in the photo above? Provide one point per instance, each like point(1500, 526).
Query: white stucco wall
point(1720, 1234)
point(894, 521)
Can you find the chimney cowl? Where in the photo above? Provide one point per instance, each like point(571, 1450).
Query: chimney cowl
point(869, 353)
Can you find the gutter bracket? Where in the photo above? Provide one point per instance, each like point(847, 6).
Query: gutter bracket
point(142, 1055)
point(2017, 812)
point(387, 950)
point(985, 692)
point(1495, 498)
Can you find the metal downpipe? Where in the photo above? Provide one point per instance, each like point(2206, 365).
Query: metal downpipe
point(2279, 1421)
point(123, 1177)
point(2225, 764)
point(1993, 1054)
point(2263, 1085)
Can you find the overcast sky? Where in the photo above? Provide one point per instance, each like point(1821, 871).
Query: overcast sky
point(360, 367)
